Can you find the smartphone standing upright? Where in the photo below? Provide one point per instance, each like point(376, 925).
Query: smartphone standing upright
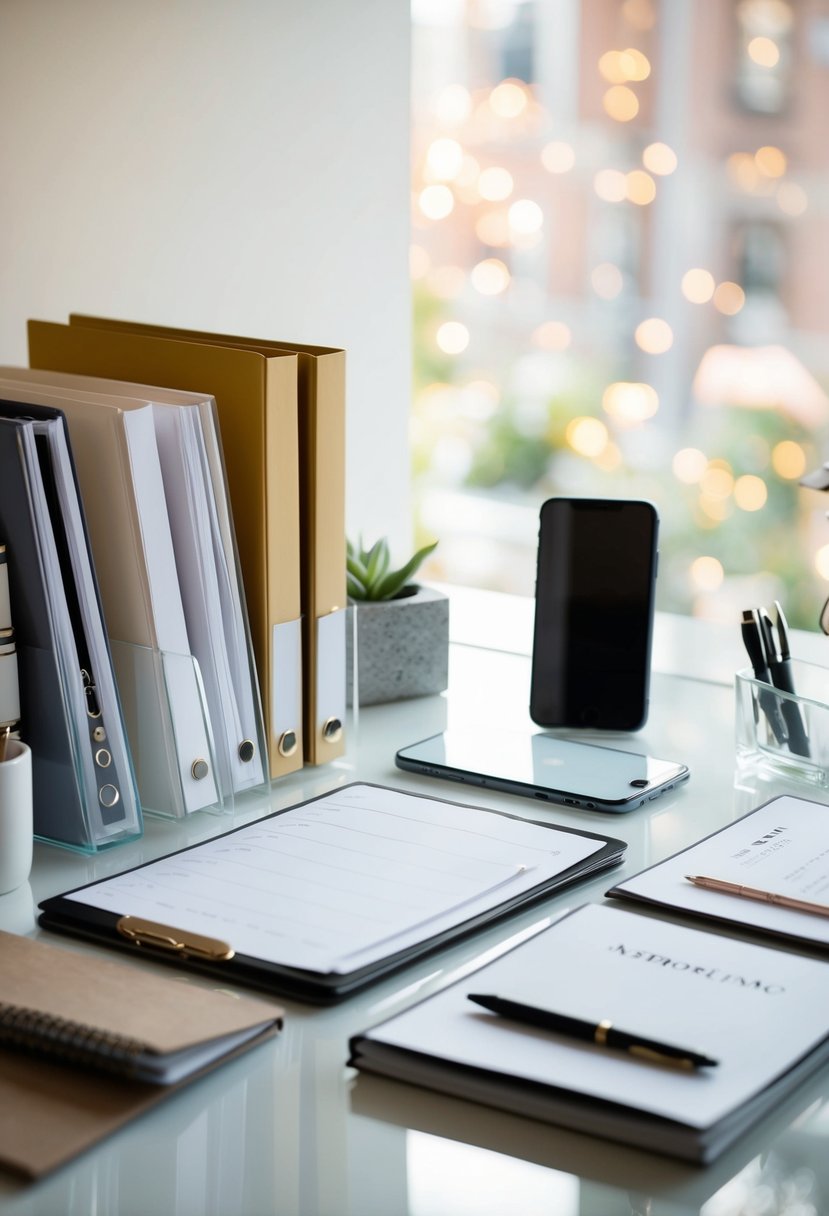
point(594, 602)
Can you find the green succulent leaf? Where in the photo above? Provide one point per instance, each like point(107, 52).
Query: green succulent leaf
point(354, 587)
point(368, 571)
point(357, 570)
point(378, 562)
point(394, 582)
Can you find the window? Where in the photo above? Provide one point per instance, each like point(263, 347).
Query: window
point(617, 257)
point(764, 55)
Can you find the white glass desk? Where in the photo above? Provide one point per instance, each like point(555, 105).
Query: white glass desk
point(289, 1130)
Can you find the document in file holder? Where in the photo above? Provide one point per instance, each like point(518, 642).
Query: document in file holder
point(83, 782)
point(204, 545)
point(119, 472)
point(322, 898)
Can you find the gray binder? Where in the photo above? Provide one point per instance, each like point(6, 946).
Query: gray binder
point(83, 783)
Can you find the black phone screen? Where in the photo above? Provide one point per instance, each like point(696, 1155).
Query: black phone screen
point(593, 613)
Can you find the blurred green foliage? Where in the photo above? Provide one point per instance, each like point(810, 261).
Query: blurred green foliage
point(525, 454)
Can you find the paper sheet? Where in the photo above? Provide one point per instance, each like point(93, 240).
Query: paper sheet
point(344, 880)
point(783, 847)
point(755, 1009)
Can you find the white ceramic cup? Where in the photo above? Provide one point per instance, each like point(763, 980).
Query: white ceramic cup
point(16, 827)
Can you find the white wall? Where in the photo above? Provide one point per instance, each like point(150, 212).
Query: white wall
point(236, 165)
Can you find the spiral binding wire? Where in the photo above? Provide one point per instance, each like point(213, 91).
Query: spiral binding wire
point(72, 1042)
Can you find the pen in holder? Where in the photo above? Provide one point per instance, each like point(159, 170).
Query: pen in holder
point(782, 732)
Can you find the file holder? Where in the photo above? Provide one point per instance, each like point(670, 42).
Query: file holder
point(72, 806)
point(766, 717)
point(175, 777)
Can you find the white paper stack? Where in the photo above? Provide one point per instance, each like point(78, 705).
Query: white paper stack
point(194, 620)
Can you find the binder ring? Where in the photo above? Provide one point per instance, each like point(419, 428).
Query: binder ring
point(288, 743)
point(332, 730)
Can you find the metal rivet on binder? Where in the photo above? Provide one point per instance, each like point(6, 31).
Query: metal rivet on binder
point(198, 769)
point(246, 750)
point(99, 734)
point(103, 758)
point(288, 743)
point(108, 795)
point(332, 730)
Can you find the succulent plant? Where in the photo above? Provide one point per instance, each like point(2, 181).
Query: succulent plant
point(369, 574)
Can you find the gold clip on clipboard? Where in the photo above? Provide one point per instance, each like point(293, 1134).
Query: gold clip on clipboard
point(189, 945)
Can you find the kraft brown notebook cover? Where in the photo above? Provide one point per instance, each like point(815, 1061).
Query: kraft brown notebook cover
point(56, 1002)
point(321, 424)
point(256, 399)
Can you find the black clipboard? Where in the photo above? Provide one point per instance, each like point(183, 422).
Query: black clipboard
point(210, 955)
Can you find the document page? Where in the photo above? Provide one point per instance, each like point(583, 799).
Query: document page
point(782, 847)
point(347, 879)
point(757, 1011)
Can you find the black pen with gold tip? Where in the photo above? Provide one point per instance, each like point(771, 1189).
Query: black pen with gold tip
point(603, 1033)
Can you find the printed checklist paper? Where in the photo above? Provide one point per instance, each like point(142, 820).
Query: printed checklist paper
point(783, 847)
point(345, 880)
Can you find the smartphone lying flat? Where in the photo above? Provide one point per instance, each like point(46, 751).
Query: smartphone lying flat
point(544, 767)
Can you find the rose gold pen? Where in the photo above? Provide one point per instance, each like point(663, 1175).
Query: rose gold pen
point(766, 897)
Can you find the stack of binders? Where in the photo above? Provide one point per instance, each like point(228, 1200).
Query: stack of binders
point(151, 476)
point(84, 787)
point(281, 408)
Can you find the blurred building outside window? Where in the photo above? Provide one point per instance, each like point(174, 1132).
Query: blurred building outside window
point(620, 266)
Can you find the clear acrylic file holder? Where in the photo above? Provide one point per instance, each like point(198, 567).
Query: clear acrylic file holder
point(781, 733)
point(84, 787)
point(182, 761)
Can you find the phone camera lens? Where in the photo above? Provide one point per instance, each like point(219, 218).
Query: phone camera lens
point(639, 782)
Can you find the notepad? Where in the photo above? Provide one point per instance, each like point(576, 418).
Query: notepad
point(87, 1044)
point(336, 890)
point(759, 1012)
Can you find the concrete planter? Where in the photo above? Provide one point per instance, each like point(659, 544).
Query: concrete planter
point(402, 647)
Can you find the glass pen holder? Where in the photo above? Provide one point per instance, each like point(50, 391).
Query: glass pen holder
point(782, 734)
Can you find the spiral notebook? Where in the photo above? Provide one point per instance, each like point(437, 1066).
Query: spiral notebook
point(86, 1045)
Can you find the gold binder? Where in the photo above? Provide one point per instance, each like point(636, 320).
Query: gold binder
point(321, 423)
point(256, 398)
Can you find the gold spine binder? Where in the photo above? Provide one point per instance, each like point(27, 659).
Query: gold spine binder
point(321, 436)
point(256, 399)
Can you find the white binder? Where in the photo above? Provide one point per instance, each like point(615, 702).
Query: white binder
point(119, 472)
point(204, 542)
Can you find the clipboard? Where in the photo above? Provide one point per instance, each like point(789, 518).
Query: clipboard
point(274, 946)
